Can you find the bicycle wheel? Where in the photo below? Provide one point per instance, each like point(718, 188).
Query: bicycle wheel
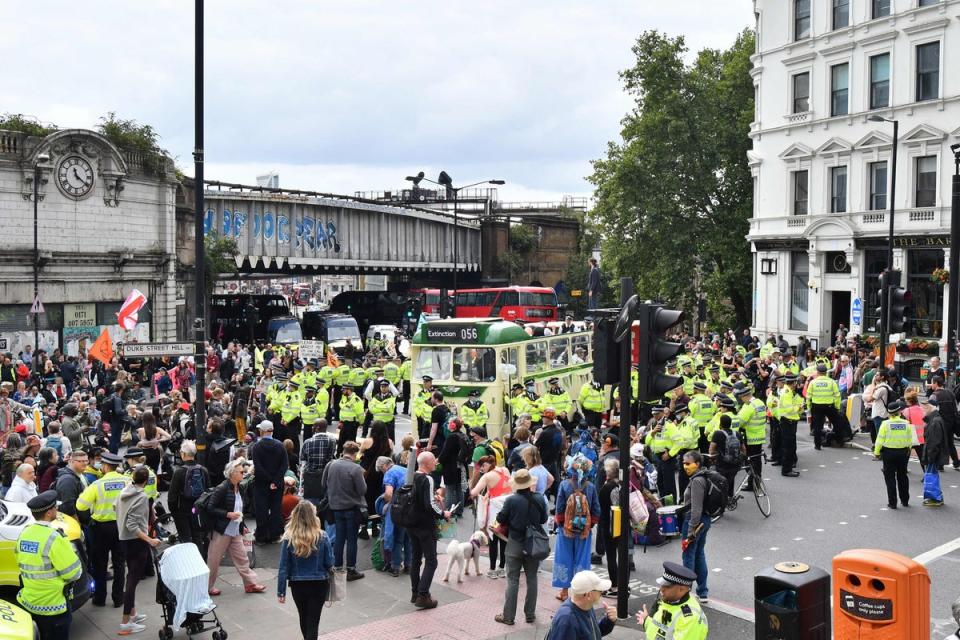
point(763, 498)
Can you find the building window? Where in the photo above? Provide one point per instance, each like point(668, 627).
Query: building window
point(875, 261)
point(839, 88)
point(800, 193)
point(925, 313)
point(801, 92)
point(927, 3)
point(881, 8)
point(838, 189)
point(799, 291)
point(841, 13)
point(878, 185)
point(926, 182)
point(801, 19)
point(880, 81)
point(928, 71)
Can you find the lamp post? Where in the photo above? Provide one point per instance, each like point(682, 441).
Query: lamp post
point(200, 352)
point(444, 180)
point(954, 287)
point(42, 158)
point(885, 287)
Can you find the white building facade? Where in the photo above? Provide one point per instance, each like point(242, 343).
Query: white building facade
point(822, 170)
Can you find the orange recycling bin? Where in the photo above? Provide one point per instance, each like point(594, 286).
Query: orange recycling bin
point(880, 595)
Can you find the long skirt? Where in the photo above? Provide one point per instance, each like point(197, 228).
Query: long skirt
point(570, 556)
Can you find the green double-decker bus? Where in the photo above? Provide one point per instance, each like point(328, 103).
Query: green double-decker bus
point(491, 355)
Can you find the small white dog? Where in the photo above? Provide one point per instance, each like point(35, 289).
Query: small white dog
point(460, 553)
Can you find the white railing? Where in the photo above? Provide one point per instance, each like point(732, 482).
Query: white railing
point(906, 221)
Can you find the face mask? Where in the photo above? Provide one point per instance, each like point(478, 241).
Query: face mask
point(96, 465)
point(690, 468)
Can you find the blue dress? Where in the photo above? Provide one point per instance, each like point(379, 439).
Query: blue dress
point(572, 555)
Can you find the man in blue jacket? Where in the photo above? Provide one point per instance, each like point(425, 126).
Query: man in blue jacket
point(576, 618)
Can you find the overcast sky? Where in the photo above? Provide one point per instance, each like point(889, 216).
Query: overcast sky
point(355, 95)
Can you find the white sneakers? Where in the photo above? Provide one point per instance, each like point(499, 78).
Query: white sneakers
point(134, 626)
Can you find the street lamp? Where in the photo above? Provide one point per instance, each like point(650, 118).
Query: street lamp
point(444, 180)
point(954, 287)
point(893, 194)
point(42, 159)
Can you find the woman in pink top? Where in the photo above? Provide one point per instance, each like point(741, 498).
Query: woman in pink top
point(493, 487)
point(914, 414)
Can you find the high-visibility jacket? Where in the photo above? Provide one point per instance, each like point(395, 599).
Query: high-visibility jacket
point(895, 432)
point(683, 620)
point(753, 418)
point(562, 402)
point(773, 405)
point(475, 415)
point(258, 359)
point(521, 404)
point(714, 423)
point(535, 408)
point(823, 390)
point(313, 410)
point(702, 409)
point(688, 383)
point(791, 367)
point(663, 439)
point(590, 399)
point(391, 371)
point(351, 408)
point(47, 563)
point(406, 370)
point(99, 497)
point(341, 375)
point(290, 410)
point(325, 375)
point(791, 404)
point(687, 436)
point(150, 489)
point(766, 349)
point(421, 404)
point(274, 399)
point(382, 407)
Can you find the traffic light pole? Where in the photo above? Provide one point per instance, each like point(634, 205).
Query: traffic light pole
point(954, 287)
point(626, 419)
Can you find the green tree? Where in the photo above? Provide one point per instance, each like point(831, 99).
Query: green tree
point(25, 124)
point(133, 136)
point(521, 243)
point(674, 195)
point(219, 254)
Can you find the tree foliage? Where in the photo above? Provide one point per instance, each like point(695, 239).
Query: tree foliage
point(133, 136)
point(219, 254)
point(674, 195)
point(25, 124)
point(521, 244)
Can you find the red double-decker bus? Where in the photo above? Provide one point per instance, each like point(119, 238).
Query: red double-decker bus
point(526, 304)
point(429, 299)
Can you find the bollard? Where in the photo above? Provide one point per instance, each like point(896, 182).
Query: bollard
point(792, 602)
point(880, 595)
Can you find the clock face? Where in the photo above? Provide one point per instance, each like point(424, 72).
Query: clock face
point(75, 177)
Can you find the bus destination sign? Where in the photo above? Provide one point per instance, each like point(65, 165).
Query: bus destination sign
point(451, 333)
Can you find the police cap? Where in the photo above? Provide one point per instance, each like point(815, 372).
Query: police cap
point(43, 502)
point(700, 386)
point(674, 573)
point(134, 452)
point(111, 458)
point(821, 368)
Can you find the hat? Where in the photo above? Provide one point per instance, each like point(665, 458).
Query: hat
point(43, 502)
point(184, 406)
point(700, 385)
point(658, 408)
point(553, 380)
point(742, 391)
point(293, 382)
point(384, 382)
point(134, 452)
point(568, 317)
point(636, 450)
point(111, 458)
point(896, 405)
point(312, 387)
point(344, 387)
point(714, 367)
point(821, 368)
point(550, 412)
point(727, 402)
point(427, 378)
point(297, 365)
point(611, 439)
point(681, 406)
point(265, 426)
point(516, 386)
point(474, 393)
point(672, 364)
point(522, 480)
point(674, 573)
point(479, 431)
point(789, 378)
point(587, 581)
point(725, 383)
point(20, 428)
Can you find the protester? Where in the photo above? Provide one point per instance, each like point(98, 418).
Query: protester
point(611, 485)
point(492, 488)
point(188, 482)
point(133, 514)
point(578, 509)
point(23, 488)
point(576, 618)
point(306, 559)
point(395, 538)
point(71, 482)
point(429, 507)
point(346, 493)
point(697, 523)
point(377, 444)
point(226, 507)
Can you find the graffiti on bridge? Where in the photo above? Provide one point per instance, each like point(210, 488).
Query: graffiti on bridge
point(310, 232)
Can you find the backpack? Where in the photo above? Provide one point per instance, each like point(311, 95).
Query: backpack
point(589, 450)
point(201, 513)
point(576, 520)
point(403, 507)
point(495, 448)
point(194, 484)
point(731, 450)
point(106, 411)
point(466, 450)
point(715, 500)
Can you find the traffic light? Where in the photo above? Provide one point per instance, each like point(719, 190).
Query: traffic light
point(897, 302)
point(656, 350)
point(606, 365)
point(411, 315)
point(881, 311)
point(448, 304)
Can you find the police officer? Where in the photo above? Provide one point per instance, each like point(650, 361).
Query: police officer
point(661, 441)
point(686, 438)
point(894, 440)
point(382, 406)
point(676, 614)
point(97, 502)
point(406, 371)
point(791, 404)
point(753, 421)
point(47, 564)
point(591, 403)
point(474, 412)
point(423, 404)
point(702, 409)
point(351, 414)
point(533, 403)
point(823, 401)
point(290, 415)
point(313, 408)
point(560, 400)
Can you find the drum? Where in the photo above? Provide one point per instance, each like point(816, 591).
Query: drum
point(669, 523)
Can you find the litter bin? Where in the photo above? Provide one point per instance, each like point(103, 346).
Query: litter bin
point(792, 602)
point(880, 594)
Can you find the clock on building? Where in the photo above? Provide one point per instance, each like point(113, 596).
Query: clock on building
point(75, 177)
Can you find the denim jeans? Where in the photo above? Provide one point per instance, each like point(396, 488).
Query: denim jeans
point(695, 557)
point(401, 552)
point(346, 525)
point(453, 496)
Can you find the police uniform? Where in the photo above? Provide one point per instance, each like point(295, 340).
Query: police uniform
point(791, 404)
point(99, 499)
point(474, 412)
point(753, 422)
point(47, 564)
point(591, 403)
point(290, 415)
point(823, 401)
point(406, 371)
point(680, 620)
point(687, 438)
point(702, 409)
point(422, 408)
point(660, 443)
point(382, 406)
point(560, 400)
point(351, 414)
point(313, 408)
point(894, 440)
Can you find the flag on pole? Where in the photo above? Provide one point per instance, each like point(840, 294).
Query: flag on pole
point(102, 350)
point(127, 317)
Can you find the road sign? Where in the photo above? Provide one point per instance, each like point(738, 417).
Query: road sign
point(76, 316)
point(856, 312)
point(156, 349)
point(311, 349)
point(37, 306)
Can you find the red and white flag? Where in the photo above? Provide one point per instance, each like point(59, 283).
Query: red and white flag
point(127, 318)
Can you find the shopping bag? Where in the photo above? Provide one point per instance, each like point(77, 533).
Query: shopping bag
point(931, 484)
point(337, 590)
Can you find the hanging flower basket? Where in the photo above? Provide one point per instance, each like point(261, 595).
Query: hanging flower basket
point(919, 347)
point(940, 276)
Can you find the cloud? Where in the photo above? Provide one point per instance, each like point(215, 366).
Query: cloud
point(524, 91)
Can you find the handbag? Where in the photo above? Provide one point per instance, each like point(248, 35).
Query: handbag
point(536, 544)
point(931, 484)
point(337, 586)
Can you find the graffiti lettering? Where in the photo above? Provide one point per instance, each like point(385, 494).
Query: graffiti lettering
point(283, 229)
point(269, 226)
point(257, 220)
point(208, 221)
point(226, 223)
point(239, 222)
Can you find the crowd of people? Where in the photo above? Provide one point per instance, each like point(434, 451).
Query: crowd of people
point(321, 467)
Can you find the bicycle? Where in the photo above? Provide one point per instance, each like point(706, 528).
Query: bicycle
point(759, 490)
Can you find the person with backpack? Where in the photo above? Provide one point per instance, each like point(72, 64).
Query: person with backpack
point(453, 457)
point(483, 446)
point(700, 502)
point(493, 488)
point(551, 441)
point(587, 447)
point(727, 449)
point(112, 413)
point(188, 483)
point(577, 511)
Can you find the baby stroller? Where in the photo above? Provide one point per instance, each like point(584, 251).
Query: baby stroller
point(182, 593)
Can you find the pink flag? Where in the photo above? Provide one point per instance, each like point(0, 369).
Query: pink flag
point(127, 318)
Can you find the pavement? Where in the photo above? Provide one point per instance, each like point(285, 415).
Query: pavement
point(838, 503)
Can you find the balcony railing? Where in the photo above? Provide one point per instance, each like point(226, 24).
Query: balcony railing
point(916, 220)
